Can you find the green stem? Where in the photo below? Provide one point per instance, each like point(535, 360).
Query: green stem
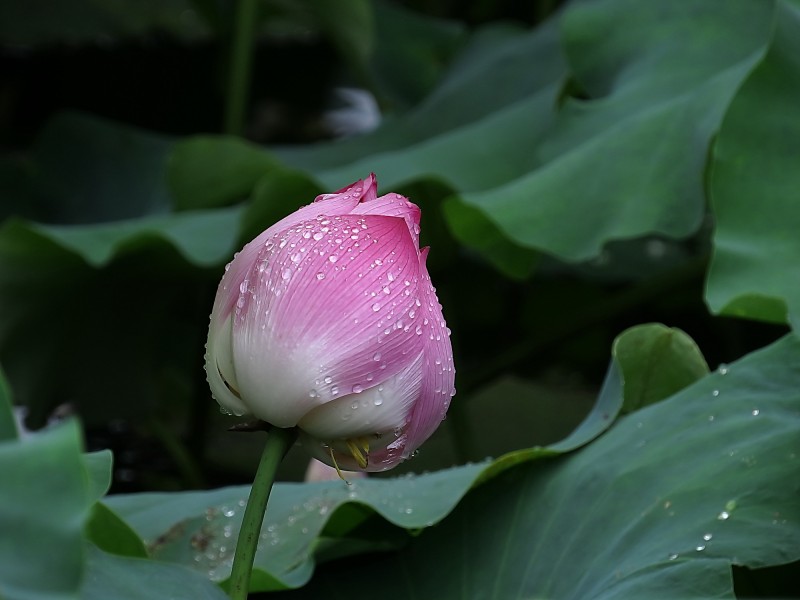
point(278, 444)
point(239, 67)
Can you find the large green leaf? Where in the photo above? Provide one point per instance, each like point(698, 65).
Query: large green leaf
point(660, 506)
point(207, 172)
point(110, 533)
point(123, 578)
point(629, 160)
point(656, 362)
point(98, 470)
point(404, 68)
point(754, 186)
point(111, 250)
point(90, 170)
point(199, 529)
point(57, 319)
point(43, 507)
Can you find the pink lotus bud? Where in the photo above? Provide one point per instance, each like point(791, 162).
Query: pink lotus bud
point(328, 321)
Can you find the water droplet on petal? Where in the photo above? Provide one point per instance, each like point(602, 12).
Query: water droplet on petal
point(320, 276)
point(707, 536)
point(715, 393)
point(357, 389)
point(756, 412)
point(376, 307)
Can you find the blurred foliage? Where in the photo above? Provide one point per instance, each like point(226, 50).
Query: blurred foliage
point(583, 168)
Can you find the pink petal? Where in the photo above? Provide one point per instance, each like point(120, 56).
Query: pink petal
point(330, 304)
point(438, 379)
point(378, 409)
point(393, 205)
point(339, 203)
point(366, 188)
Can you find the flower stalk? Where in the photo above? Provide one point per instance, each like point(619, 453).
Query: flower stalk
point(240, 66)
point(278, 444)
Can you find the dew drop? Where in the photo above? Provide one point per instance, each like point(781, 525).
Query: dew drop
point(376, 307)
point(707, 536)
point(357, 389)
point(333, 258)
point(755, 412)
point(287, 274)
point(335, 390)
point(320, 276)
point(673, 556)
point(376, 357)
point(715, 393)
point(328, 379)
point(700, 548)
point(378, 400)
point(723, 516)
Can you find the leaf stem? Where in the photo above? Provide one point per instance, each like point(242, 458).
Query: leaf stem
point(240, 66)
point(278, 444)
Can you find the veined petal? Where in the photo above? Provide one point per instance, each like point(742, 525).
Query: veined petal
point(438, 377)
point(327, 306)
point(366, 189)
point(339, 203)
point(371, 411)
point(393, 205)
point(220, 372)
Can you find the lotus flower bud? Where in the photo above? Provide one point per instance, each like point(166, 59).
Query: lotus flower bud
point(328, 322)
